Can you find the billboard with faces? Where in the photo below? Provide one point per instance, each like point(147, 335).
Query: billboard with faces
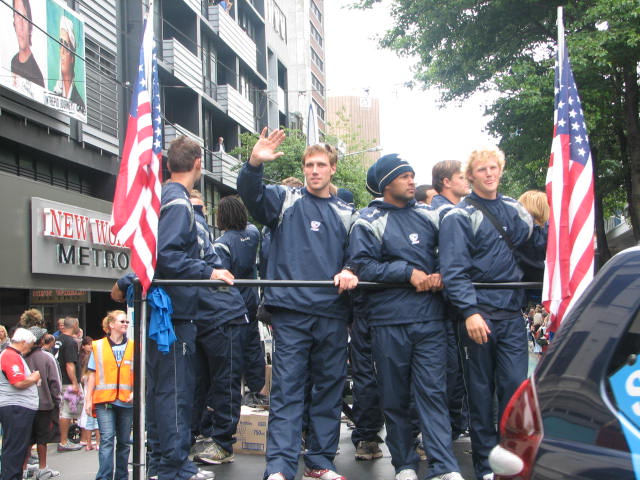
point(42, 49)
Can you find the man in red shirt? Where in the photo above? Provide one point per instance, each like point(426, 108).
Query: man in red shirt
point(18, 403)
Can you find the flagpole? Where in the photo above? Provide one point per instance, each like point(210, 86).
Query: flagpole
point(139, 395)
point(560, 23)
point(140, 327)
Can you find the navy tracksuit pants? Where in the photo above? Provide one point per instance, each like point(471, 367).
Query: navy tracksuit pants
point(456, 390)
point(253, 356)
point(367, 412)
point(415, 352)
point(305, 346)
point(496, 367)
point(170, 387)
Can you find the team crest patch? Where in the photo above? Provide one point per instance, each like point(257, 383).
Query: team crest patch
point(315, 226)
point(414, 238)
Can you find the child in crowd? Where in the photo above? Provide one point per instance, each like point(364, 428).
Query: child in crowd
point(88, 423)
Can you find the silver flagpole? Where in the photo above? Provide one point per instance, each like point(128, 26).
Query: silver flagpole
point(139, 404)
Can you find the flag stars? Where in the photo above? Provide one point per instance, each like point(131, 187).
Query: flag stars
point(560, 104)
point(572, 113)
point(561, 122)
point(582, 152)
point(575, 126)
point(578, 139)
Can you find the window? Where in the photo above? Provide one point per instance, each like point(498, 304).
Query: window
point(102, 91)
point(317, 85)
point(319, 110)
point(317, 60)
point(278, 20)
point(316, 34)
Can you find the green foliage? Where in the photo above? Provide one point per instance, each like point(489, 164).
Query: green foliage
point(466, 46)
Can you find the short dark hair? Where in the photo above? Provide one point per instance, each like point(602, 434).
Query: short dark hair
point(182, 154)
point(232, 214)
point(421, 192)
point(442, 170)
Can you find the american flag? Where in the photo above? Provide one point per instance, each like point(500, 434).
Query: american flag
point(136, 203)
point(570, 252)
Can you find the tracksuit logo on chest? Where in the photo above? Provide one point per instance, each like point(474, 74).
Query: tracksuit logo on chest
point(414, 239)
point(315, 225)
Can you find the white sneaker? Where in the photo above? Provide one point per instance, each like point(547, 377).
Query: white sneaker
point(407, 474)
point(487, 476)
point(448, 476)
point(276, 476)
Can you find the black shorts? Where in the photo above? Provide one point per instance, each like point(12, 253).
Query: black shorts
point(45, 427)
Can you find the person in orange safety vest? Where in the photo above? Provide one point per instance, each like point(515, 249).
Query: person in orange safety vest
point(109, 395)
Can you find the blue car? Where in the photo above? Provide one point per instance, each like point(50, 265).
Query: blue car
point(578, 416)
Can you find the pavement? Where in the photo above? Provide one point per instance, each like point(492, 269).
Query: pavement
point(83, 465)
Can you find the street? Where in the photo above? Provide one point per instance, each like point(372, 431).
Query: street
point(82, 465)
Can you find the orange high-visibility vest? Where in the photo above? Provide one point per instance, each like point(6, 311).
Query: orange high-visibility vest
point(113, 380)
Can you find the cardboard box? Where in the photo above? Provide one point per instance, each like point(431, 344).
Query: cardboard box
point(251, 435)
point(267, 378)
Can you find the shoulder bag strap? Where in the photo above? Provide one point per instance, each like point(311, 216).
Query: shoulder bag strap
point(494, 221)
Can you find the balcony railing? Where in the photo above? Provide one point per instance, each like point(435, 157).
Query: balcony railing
point(186, 66)
point(233, 35)
point(236, 106)
point(171, 132)
point(221, 167)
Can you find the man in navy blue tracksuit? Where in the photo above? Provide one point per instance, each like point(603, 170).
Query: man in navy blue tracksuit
point(216, 408)
point(237, 248)
point(451, 186)
point(395, 240)
point(170, 382)
point(493, 333)
point(309, 230)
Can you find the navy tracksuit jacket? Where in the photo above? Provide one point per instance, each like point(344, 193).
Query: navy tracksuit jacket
point(408, 329)
point(308, 242)
point(476, 252)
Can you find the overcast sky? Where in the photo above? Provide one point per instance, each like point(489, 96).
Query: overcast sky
point(411, 123)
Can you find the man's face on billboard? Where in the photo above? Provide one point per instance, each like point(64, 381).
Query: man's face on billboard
point(66, 55)
point(21, 25)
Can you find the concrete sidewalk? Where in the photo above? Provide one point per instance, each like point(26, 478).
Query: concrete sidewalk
point(82, 465)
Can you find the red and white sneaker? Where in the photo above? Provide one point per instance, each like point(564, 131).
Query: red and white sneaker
point(322, 475)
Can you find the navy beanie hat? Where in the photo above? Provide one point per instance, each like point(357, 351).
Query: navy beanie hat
point(345, 195)
point(384, 171)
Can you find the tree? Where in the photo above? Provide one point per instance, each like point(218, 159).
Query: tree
point(471, 45)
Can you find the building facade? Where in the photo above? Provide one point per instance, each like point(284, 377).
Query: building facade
point(222, 73)
point(363, 115)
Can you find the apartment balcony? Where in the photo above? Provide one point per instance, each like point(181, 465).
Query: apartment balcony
point(233, 35)
point(171, 132)
point(222, 167)
point(194, 5)
point(185, 66)
point(236, 106)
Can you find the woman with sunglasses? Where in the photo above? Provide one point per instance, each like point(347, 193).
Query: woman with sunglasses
point(110, 393)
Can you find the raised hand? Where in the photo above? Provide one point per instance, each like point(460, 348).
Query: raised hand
point(265, 148)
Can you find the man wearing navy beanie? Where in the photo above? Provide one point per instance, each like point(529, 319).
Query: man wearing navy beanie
point(395, 240)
